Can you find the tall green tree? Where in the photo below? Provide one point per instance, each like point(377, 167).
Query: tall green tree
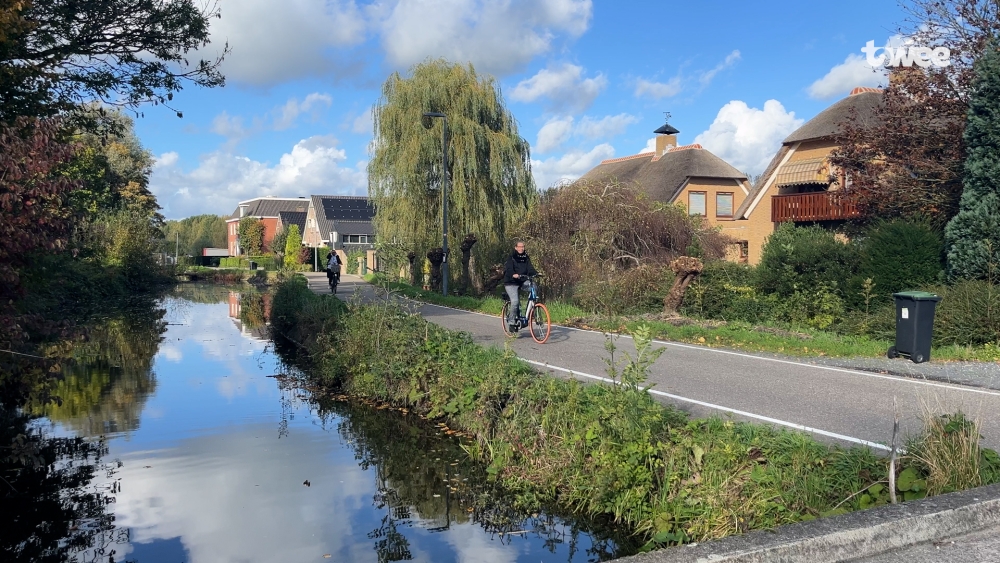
point(489, 163)
point(192, 234)
point(293, 242)
point(973, 235)
point(112, 164)
point(57, 54)
point(251, 236)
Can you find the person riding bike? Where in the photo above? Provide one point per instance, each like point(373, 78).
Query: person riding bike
point(333, 267)
point(515, 273)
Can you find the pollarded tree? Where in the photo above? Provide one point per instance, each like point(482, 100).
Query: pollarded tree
point(489, 163)
point(973, 236)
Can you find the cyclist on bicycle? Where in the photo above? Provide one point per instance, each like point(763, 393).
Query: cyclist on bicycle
point(332, 267)
point(515, 273)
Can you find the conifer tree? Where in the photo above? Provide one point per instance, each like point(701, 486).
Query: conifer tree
point(973, 235)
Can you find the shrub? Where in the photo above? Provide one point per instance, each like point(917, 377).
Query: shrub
point(233, 262)
point(126, 241)
point(796, 259)
point(968, 314)
point(725, 290)
point(818, 306)
point(900, 256)
point(599, 230)
point(636, 290)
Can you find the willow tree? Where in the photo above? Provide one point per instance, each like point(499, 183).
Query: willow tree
point(489, 163)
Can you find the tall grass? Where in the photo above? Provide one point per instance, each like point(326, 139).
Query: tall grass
point(607, 451)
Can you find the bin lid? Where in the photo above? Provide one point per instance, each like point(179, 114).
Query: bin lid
point(918, 295)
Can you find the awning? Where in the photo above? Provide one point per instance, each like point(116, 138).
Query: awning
point(808, 171)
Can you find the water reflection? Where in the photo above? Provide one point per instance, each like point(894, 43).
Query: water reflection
point(173, 440)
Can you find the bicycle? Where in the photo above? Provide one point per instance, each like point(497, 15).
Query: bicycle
point(536, 317)
point(333, 278)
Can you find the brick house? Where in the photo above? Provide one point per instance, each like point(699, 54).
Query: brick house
point(267, 209)
point(800, 185)
point(688, 175)
point(340, 222)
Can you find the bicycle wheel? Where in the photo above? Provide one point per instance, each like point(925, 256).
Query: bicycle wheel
point(503, 318)
point(540, 324)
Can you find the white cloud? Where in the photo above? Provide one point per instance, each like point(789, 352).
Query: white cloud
point(650, 146)
point(498, 37)
point(314, 165)
point(364, 123)
point(229, 126)
point(748, 137)
point(558, 130)
point(730, 60)
point(606, 127)
point(276, 41)
point(293, 109)
point(569, 166)
point(553, 134)
point(657, 90)
point(564, 86)
point(854, 71)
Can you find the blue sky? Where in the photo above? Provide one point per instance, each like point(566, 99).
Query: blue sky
point(586, 79)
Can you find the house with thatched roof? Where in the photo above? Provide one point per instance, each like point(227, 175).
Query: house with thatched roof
point(799, 185)
point(688, 175)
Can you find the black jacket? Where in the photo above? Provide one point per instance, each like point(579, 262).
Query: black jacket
point(517, 264)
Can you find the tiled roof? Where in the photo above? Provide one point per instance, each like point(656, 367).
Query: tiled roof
point(629, 157)
point(270, 207)
point(662, 178)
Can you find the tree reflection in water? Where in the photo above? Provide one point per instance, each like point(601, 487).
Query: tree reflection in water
point(425, 479)
point(54, 490)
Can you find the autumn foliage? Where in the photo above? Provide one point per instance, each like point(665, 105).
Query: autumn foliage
point(592, 235)
point(34, 215)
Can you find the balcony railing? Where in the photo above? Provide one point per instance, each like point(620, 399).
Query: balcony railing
point(818, 206)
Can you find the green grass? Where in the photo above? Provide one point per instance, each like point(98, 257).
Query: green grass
point(607, 451)
point(792, 341)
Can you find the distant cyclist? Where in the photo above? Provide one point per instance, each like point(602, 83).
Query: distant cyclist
point(515, 273)
point(333, 267)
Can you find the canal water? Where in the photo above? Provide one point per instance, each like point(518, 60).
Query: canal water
point(180, 436)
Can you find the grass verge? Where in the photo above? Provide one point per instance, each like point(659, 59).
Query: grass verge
point(736, 335)
point(608, 451)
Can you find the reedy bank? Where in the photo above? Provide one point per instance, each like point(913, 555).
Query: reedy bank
point(602, 450)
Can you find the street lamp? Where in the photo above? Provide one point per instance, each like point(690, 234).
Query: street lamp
point(444, 198)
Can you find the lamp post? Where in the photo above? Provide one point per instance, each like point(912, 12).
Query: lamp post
point(444, 197)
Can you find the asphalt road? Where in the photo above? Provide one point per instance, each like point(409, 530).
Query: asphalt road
point(834, 404)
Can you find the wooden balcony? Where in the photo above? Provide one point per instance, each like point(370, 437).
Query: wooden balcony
point(818, 206)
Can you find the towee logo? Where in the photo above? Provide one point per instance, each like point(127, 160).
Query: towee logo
point(907, 55)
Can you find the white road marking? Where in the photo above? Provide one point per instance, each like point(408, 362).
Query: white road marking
point(893, 378)
point(763, 418)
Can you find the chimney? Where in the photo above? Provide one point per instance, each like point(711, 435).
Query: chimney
point(666, 139)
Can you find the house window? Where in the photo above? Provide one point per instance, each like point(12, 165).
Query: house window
point(724, 204)
point(696, 203)
point(359, 239)
point(744, 250)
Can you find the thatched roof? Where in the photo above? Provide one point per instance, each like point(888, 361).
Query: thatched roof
point(862, 102)
point(829, 121)
point(662, 178)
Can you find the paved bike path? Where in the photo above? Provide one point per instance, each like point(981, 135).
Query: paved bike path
point(835, 404)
